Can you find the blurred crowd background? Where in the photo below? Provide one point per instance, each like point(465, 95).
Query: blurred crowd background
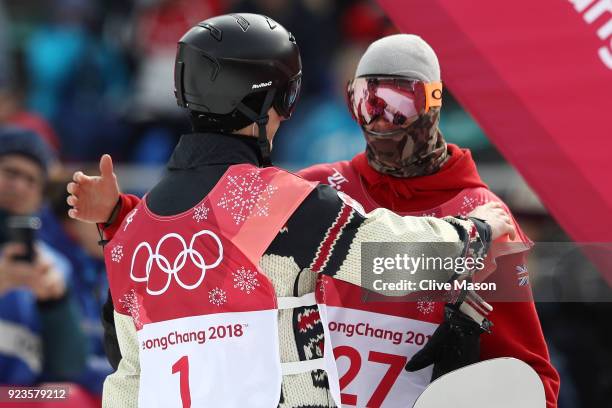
point(87, 77)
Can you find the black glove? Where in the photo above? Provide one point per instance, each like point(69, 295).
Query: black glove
point(454, 344)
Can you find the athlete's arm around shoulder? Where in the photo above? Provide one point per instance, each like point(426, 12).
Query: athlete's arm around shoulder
point(351, 227)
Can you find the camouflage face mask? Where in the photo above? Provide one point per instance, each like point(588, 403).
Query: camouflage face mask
point(417, 150)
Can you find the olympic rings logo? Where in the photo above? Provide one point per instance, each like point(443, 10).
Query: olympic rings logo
point(172, 270)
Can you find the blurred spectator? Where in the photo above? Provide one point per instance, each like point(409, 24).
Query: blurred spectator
point(39, 337)
point(77, 82)
point(363, 22)
point(5, 64)
point(160, 24)
point(13, 113)
point(314, 23)
point(322, 129)
point(12, 109)
point(78, 242)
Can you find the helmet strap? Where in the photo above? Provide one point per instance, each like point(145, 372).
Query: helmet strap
point(262, 120)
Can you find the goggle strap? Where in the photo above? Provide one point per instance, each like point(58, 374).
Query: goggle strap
point(433, 95)
point(261, 120)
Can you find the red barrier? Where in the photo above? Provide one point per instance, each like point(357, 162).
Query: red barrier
point(537, 77)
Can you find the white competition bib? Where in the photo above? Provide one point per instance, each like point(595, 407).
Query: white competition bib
point(371, 351)
point(219, 360)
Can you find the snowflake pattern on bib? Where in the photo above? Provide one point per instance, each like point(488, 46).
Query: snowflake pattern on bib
point(217, 297)
point(425, 306)
point(200, 213)
point(131, 305)
point(245, 280)
point(117, 253)
point(247, 196)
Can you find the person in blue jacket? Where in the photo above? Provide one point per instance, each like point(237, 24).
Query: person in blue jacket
point(78, 242)
point(40, 336)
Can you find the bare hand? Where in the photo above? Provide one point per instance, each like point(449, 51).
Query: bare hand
point(93, 198)
point(498, 219)
point(45, 282)
point(9, 277)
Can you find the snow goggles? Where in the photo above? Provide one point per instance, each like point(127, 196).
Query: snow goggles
point(396, 100)
point(286, 99)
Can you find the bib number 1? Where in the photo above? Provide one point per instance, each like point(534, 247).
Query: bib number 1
point(182, 368)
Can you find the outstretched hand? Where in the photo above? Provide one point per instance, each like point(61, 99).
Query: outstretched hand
point(93, 198)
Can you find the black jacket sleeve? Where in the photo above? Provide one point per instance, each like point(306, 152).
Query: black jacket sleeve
point(111, 344)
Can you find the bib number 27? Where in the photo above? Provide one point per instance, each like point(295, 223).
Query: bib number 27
point(396, 366)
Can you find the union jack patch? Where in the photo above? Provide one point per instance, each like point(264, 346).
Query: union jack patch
point(522, 275)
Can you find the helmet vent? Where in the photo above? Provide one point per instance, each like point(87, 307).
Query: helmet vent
point(214, 31)
point(271, 23)
point(215, 65)
point(242, 22)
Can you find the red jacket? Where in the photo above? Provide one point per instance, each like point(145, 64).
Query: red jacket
point(517, 332)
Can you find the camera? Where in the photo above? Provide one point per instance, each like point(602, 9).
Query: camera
point(21, 229)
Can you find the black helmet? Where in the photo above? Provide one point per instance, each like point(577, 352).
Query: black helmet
point(227, 60)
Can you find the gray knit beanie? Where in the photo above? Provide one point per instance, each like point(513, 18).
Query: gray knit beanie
point(402, 55)
point(15, 140)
